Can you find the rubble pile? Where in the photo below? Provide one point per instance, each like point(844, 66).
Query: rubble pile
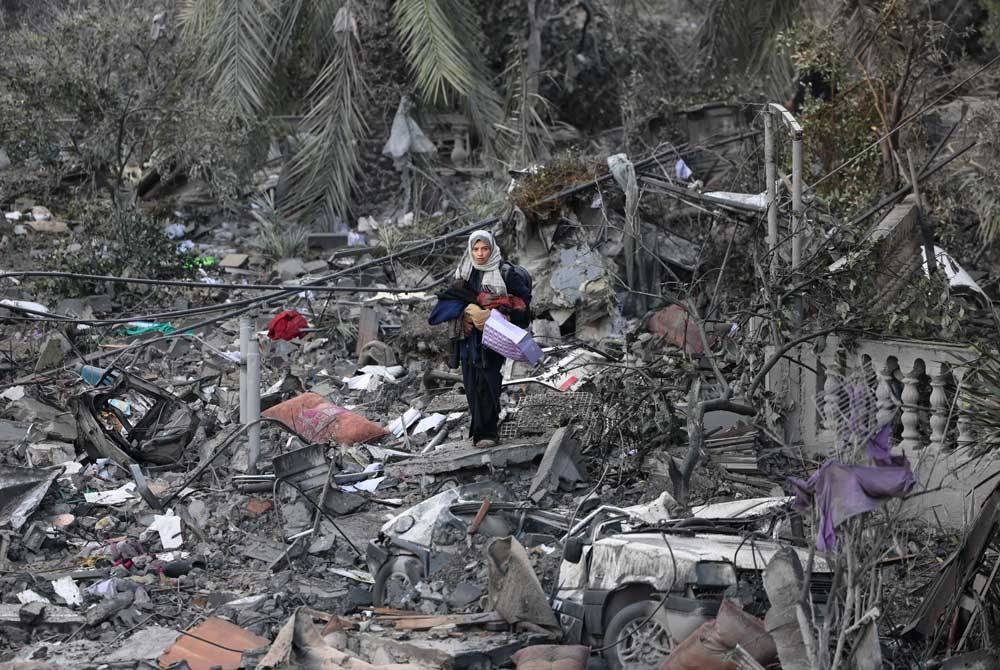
point(254, 474)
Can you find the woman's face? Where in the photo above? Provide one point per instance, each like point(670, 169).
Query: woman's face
point(481, 252)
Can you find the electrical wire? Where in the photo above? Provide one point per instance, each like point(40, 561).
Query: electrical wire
point(903, 122)
point(37, 315)
point(206, 285)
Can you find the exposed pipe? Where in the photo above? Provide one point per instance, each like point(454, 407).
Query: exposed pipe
point(772, 204)
point(253, 406)
point(244, 351)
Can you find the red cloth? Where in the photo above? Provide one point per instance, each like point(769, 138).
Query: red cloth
point(286, 326)
point(493, 301)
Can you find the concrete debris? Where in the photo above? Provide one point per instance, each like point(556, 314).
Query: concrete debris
point(214, 494)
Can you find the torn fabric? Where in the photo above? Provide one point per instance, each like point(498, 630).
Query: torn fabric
point(841, 491)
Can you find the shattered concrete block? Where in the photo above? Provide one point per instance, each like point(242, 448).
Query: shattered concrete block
point(53, 352)
point(559, 464)
point(327, 240)
point(783, 584)
point(44, 454)
point(342, 502)
point(465, 594)
point(290, 268)
point(33, 613)
point(56, 424)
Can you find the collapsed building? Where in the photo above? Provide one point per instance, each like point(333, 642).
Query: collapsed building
point(205, 493)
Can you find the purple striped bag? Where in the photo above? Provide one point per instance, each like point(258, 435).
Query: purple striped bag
point(508, 340)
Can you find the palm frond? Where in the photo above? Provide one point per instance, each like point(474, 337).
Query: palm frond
point(523, 136)
point(289, 15)
point(240, 48)
point(440, 42)
point(324, 169)
point(195, 16)
point(740, 39)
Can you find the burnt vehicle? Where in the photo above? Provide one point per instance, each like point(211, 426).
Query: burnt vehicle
point(637, 590)
point(633, 580)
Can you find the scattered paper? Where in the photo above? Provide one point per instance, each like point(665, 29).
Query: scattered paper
point(368, 485)
point(116, 496)
point(169, 528)
point(13, 393)
point(67, 589)
point(367, 382)
point(401, 425)
point(104, 588)
point(356, 575)
point(393, 373)
point(432, 422)
point(29, 596)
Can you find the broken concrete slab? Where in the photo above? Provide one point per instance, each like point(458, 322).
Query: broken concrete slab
point(44, 454)
point(234, 261)
point(146, 644)
point(21, 490)
point(463, 456)
point(54, 423)
point(327, 241)
point(54, 617)
point(290, 268)
point(431, 650)
point(53, 352)
point(11, 433)
point(312, 267)
point(559, 465)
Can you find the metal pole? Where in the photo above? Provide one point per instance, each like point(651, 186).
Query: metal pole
point(772, 204)
point(253, 406)
point(244, 351)
point(796, 200)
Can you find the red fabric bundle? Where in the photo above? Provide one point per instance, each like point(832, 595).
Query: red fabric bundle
point(493, 301)
point(286, 326)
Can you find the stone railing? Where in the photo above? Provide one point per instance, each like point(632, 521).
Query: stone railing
point(916, 384)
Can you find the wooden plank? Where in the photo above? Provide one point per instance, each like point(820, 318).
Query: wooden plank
point(367, 328)
point(453, 459)
point(449, 620)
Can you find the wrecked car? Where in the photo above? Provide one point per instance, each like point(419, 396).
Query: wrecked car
point(633, 580)
point(416, 544)
point(637, 589)
point(128, 419)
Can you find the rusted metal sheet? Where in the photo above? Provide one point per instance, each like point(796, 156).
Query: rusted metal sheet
point(958, 571)
point(214, 643)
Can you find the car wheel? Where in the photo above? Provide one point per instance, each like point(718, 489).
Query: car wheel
point(395, 581)
point(638, 644)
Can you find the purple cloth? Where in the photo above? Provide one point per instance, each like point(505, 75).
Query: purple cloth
point(842, 491)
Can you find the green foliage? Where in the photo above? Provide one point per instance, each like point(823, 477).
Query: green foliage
point(104, 88)
point(324, 170)
point(277, 237)
point(124, 241)
point(979, 179)
point(740, 40)
point(441, 43)
point(869, 298)
point(834, 133)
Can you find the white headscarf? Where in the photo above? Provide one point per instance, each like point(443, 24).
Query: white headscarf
point(492, 279)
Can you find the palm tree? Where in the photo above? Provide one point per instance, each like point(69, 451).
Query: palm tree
point(246, 43)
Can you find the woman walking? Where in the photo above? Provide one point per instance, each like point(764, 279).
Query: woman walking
point(483, 284)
